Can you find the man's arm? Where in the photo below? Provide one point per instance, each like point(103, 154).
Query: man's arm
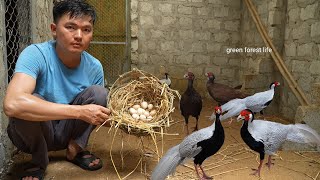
point(20, 103)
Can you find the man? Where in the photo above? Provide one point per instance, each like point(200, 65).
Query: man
point(56, 96)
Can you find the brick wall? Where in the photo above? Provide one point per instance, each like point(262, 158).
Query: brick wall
point(301, 51)
point(258, 70)
point(195, 34)
point(186, 35)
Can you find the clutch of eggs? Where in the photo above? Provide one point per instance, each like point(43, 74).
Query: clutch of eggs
point(144, 111)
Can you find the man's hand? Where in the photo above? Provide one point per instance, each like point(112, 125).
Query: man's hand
point(94, 114)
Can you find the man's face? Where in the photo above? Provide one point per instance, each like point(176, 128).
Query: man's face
point(72, 35)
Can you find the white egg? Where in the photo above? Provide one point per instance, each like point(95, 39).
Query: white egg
point(140, 111)
point(146, 113)
point(144, 105)
point(135, 116)
point(132, 111)
point(149, 118)
point(150, 106)
point(136, 107)
point(142, 117)
point(153, 112)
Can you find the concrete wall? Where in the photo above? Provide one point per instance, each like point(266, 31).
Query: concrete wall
point(42, 18)
point(186, 35)
point(5, 144)
point(301, 54)
point(294, 27)
point(40, 21)
point(195, 34)
point(258, 69)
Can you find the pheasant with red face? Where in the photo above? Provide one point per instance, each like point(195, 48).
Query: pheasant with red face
point(255, 103)
point(266, 137)
point(198, 146)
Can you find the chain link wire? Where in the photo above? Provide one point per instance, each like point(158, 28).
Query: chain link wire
point(109, 39)
point(17, 27)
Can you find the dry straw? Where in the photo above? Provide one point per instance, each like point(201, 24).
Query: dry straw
point(130, 89)
point(133, 88)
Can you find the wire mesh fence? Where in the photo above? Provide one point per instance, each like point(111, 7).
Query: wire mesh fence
point(109, 39)
point(17, 28)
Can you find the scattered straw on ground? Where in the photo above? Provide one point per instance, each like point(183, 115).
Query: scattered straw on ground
point(130, 89)
point(230, 159)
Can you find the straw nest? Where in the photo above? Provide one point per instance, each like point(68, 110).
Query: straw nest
point(133, 88)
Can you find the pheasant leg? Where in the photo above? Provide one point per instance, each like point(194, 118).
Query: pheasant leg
point(231, 119)
point(197, 171)
point(269, 163)
point(262, 114)
point(187, 128)
point(196, 128)
point(205, 176)
point(257, 171)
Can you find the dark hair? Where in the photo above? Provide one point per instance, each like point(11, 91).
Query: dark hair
point(75, 8)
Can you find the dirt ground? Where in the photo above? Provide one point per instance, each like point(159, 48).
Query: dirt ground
point(233, 161)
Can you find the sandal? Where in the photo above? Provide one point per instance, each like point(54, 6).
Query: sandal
point(84, 162)
point(39, 173)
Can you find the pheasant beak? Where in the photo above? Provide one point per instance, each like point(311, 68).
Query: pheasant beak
point(239, 118)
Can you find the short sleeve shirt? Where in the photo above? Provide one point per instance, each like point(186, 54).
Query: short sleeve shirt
point(54, 81)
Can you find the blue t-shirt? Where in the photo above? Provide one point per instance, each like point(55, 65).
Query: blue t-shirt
point(54, 81)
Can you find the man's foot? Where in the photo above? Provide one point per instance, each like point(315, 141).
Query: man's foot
point(73, 149)
point(35, 173)
point(83, 159)
point(87, 161)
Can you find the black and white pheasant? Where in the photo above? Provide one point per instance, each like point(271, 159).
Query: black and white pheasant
point(265, 137)
point(255, 103)
point(197, 146)
point(166, 80)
